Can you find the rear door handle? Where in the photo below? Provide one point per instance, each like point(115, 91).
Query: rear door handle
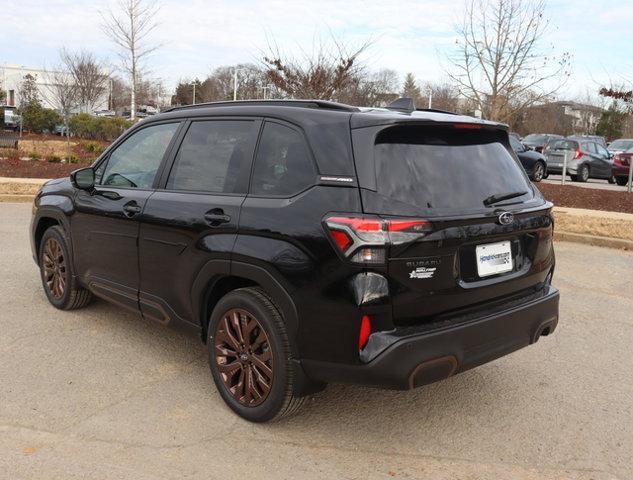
point(216, 217)
point(131, 208)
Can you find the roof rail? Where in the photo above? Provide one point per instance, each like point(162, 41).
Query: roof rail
point(274, 103)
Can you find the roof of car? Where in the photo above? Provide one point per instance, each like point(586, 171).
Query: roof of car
point(304, 110)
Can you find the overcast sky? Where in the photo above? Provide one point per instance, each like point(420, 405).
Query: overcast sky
point(408, 35)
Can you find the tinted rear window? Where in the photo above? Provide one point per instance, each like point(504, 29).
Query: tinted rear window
point(445, 168)
point(563, 145)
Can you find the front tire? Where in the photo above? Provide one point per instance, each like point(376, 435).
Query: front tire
point(56, 270)
point(250, 356)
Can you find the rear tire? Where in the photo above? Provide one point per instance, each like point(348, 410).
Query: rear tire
point(622, 181)
point(250, 356)
point(57, 274)
point(611, 180)
point(538, 172)
point(582, 175)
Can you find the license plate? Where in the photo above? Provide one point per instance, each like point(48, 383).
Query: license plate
point(493, 258)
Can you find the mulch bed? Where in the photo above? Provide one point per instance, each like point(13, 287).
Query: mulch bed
point(591, 198)
point(36, 168)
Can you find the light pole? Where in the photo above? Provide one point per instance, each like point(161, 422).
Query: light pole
point(266, 88)
point(430, 98)
point(194, 93)
point(235, 70)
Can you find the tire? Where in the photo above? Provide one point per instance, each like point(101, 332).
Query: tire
point(256, 353)
point(622, 181)
point(545, 175)
point(582, 175)
point(56, 271)
point(611, 180)
point(538, 172)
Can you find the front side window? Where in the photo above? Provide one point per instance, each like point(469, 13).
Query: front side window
point(213, 156)
point(134, 163)
point(284, 166)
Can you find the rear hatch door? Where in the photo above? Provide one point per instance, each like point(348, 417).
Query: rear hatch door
point(490, 229)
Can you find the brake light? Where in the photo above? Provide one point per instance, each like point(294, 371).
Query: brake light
point(467, 126)
point(617, 160)
point(579, 153)
point(363, 239)
point(365, 332)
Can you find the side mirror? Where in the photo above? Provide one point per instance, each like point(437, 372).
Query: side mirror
point(83, 179)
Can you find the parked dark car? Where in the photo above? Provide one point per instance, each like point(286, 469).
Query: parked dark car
point(309, 242)
point(585, 160)
point(621, 165)
point(538, 141)
point(534, 163)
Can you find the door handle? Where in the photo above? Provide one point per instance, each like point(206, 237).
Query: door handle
point(131, 208)
point(216, 217)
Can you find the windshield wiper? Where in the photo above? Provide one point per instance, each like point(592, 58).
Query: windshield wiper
point(502, 196)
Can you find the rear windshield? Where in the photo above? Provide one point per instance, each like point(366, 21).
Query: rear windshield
point(445, 167)
point(535, 139)
point(621, 145)
point(563, 145)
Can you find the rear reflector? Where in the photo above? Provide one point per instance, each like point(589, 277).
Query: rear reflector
point(365, 332)
point(341, 238)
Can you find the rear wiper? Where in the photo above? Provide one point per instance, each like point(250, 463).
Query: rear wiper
point(502, 196)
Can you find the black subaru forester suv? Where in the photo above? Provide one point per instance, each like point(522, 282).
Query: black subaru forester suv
point(309, 242)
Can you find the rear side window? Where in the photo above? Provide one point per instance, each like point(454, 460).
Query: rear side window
point(445, 168)
point(213, 156)
point(283, 166)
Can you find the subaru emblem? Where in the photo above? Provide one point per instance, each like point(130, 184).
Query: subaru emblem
point(506, 218)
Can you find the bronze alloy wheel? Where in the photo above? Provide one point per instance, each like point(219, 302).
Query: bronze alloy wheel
point(244, 357)
point(54, 265)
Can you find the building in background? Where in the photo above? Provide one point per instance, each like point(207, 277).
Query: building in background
point(12, 76)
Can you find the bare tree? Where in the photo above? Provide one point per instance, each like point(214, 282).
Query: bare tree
point(129, 30)
point(322, 74)
point(500, 62)
point(65, 94)
point(89, 75)
point(443, 95)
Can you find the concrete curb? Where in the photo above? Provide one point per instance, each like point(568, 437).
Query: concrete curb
point(594, 240)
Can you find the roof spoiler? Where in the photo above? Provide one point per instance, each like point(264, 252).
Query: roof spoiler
point(404, 104)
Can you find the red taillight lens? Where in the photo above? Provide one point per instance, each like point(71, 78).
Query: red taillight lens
point(617, 160)
point(579, 153)
point(409, 225)
point(365, 332)
point(342, 239)
point(363, 238)
point(467, 126)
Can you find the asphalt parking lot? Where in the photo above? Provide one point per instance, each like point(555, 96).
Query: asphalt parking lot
point(101, 394)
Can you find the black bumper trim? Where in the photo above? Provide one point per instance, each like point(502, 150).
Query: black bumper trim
point(423, 358)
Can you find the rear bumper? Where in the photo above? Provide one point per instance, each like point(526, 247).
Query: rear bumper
point(620, 171)
point(420, 358)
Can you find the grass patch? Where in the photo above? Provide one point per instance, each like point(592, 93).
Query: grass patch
point(589, 225)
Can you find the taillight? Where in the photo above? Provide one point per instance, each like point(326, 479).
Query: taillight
point(365, 332)
point(467, 126)
point(363, 239)
point(579, 153)
point(617, 160)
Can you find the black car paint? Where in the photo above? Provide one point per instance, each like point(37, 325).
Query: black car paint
point(168, 263)
point(528, 158)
